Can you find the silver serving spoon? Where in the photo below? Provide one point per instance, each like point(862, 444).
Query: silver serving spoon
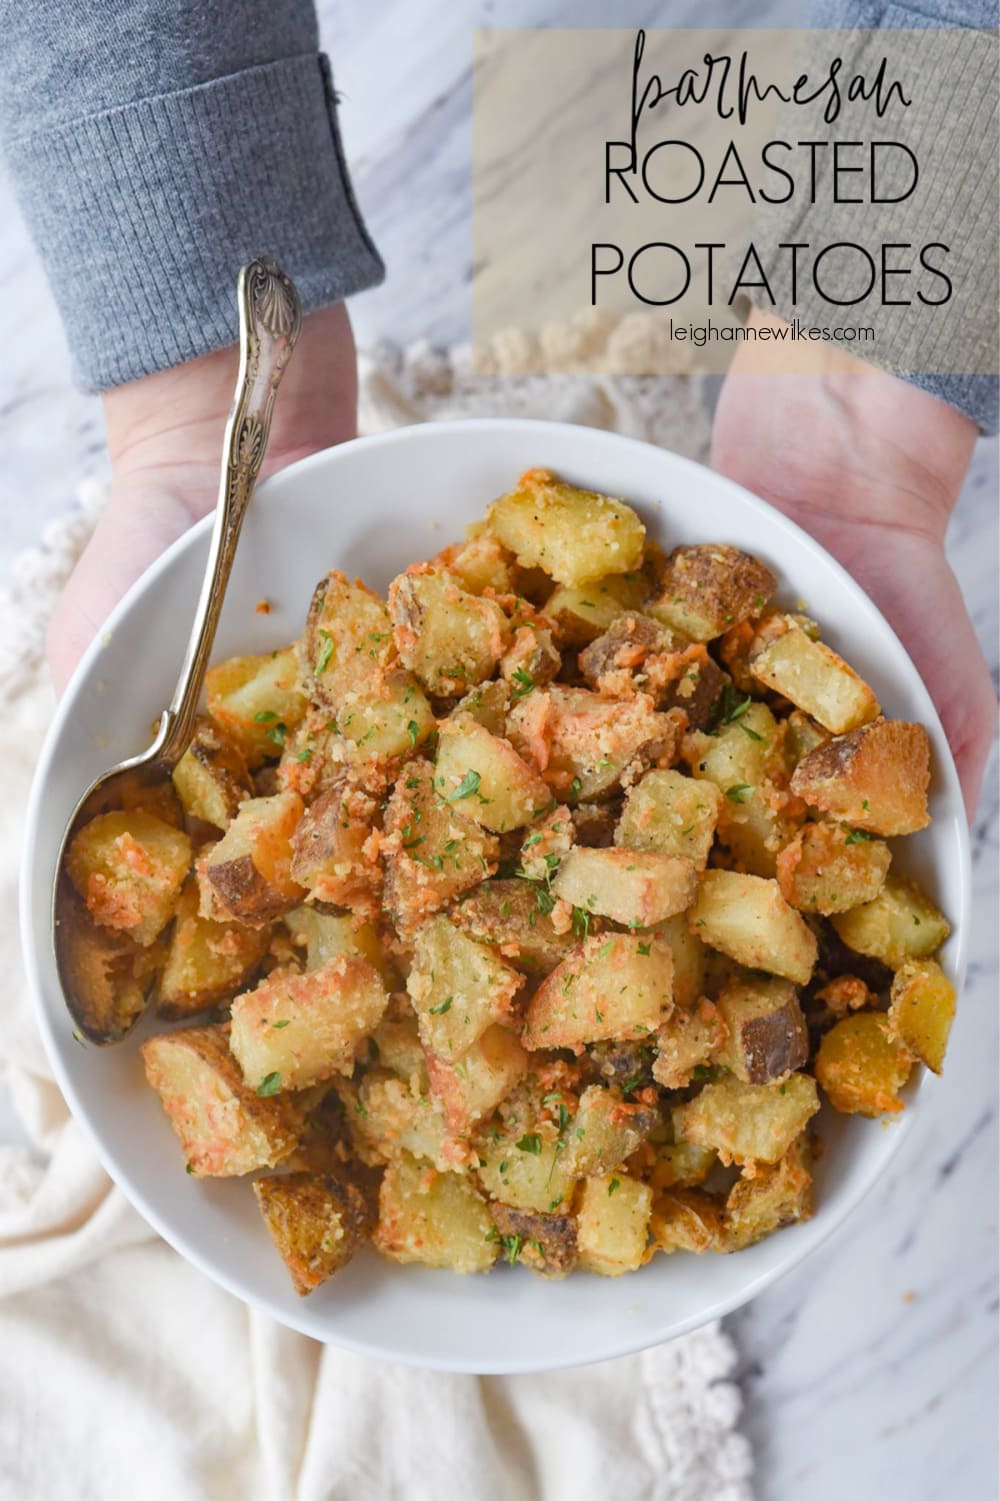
point(97, 968)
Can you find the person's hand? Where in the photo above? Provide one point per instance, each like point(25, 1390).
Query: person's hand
point(871, 466)
point(165, 442)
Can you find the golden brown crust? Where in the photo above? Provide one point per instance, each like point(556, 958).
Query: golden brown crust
point(544, 1242)
point(875, 778)
point(711, 587)
point(317, 1224)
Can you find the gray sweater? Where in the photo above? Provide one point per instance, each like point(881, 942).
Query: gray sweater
point(156, 145)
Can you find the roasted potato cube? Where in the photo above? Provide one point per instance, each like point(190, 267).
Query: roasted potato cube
point(514, 916)
point(612, 1221)
point(671, 813)
point(326, 934)
point(391, 719)
point(637, 887)
point(485, 775)
point(862, 1066)
point(129, 869)
point(899, 924)
point(458, 988)
point(256, 701)
point(225, 1127)
point(385, 1116)
point(689, 958)
point(687, 1219)
point(830, 868)
point(296, 1030)
point(694, 682)
point(605, 1130)
point(249, 871)
point(922, 1010)
point(544, 1242)
point(749, 1122)
point(211, 778)
point(744, 759)
point(332, 854)
point(810, 675)
point(585, 745)
point(574, 535)
point(109, 975)
point(685, 1042)
point(480, 563)
point(436, 1219)
point(348, 643)
point(582, 613)
point(473, 1086)
point(613, 986)
point(748, 918)
point(776, 1195)
point(708, 588)
point(206, 961)
point(432, 851)
point(766, 1036)
point(316, 1223)
point(875, 778)
point(451, 639)
point(522, 1154)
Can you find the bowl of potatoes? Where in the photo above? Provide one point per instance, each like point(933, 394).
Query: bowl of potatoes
point(547, 937)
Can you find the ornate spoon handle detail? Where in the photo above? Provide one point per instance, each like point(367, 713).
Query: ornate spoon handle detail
point(270, 322)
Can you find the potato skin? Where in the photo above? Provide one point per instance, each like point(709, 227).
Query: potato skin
point(109, 983)
point(513, 915)
point(710, 587)
point(544, 1242)
point(330, 854)
point(875, 778)
point(767, 1035)
point(317, 1223)
point(249, 870)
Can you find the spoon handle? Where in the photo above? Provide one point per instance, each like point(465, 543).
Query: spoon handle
point(270, 322)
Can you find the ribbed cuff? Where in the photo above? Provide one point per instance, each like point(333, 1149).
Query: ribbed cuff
point(143, 215)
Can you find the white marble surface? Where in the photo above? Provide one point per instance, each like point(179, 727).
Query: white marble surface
point(872, 1371)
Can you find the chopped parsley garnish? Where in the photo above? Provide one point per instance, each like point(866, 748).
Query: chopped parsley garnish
point(734, 705)
point(531, 1143)
point(325, 653)
point(467, 787)
point(544, 900)
point(269, 1085)
point(738, 792)
point(859, 836)
point(442, 1006)
point(265, 716)
point(581, 922)
point(278, 1026)
point(525, 683)
point(277, 733)
point(511, 1247)
point(614, 1186)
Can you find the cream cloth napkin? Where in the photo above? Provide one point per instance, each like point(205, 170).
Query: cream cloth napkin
point(126, 1373)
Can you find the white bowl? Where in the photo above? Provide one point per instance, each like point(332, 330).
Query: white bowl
point(370, 507)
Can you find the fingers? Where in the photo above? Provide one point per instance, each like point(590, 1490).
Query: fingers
point(138, 523)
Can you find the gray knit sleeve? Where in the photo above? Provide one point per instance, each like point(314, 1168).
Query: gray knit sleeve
point(956, 142)
point(155, 148)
